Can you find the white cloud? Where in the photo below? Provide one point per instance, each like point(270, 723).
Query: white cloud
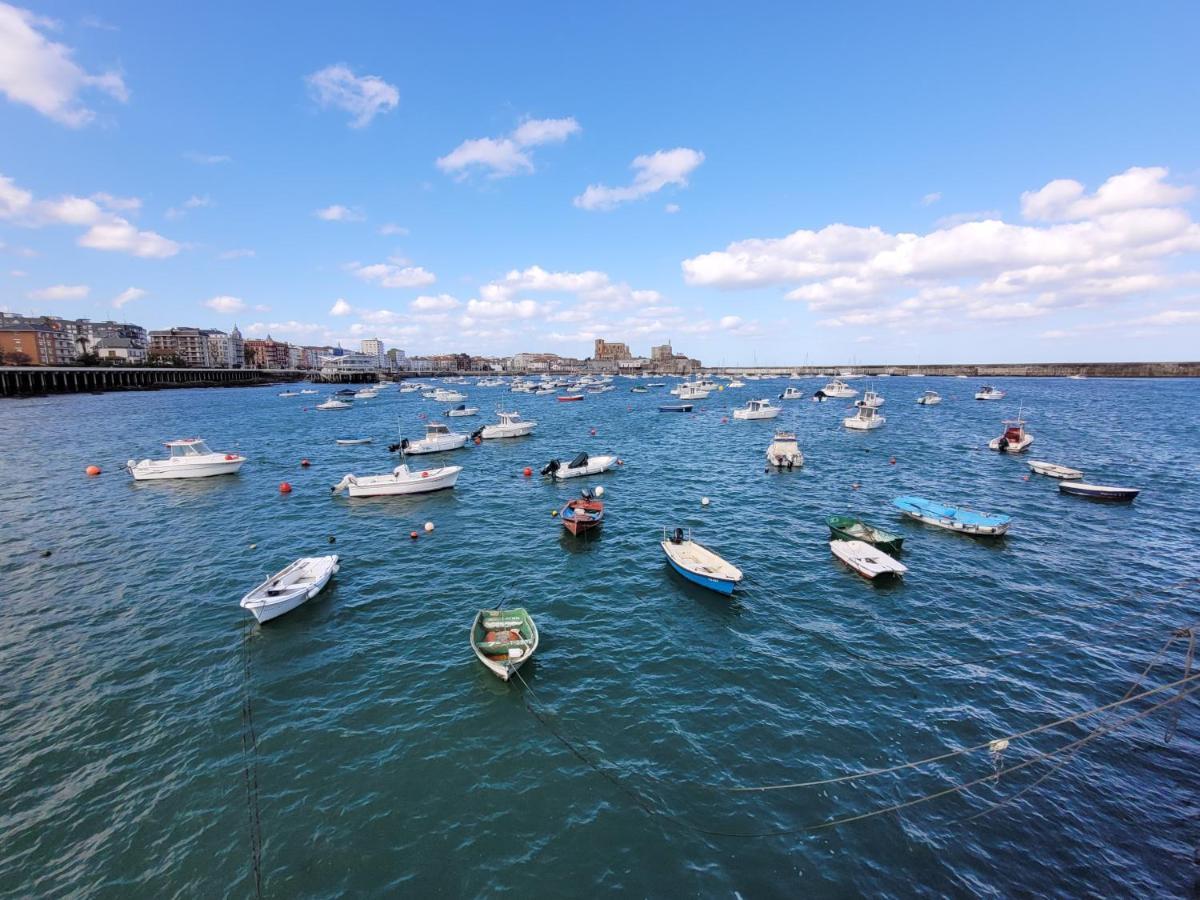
point(339, 213)
point(225, 304)
point(240, 253)
point(508, 309)
point(507, 155)
point(731, 321)
point(390, 228)
point(105, 229)
point(1135, 188)
point(393, 276)
point(42, 74)
point(60, 292)
point(192, 202)
point(439, 303)
point(931, 198)
point(987, 270)
point(363, 97)
point(653, 172)
point(128, 296)
point(672, 208)
point(960, 218)
point(207, 159)
point(340, 308)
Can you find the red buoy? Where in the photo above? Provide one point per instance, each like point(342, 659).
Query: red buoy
point(92, 470)
point(593, 432)
point(528, 471)
point(304, 463)
point(413, 535)
point(284, 487)
point(892, 460)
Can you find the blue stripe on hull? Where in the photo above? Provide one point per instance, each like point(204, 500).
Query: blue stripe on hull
point(713, 584)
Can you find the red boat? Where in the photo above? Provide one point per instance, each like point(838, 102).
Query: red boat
point(569, 398)
point(583, 514)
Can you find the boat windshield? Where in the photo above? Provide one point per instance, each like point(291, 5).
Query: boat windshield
point(437, 429)
point(195, 448)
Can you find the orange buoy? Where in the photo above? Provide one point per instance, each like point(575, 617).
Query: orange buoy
point(304, 464)
point(284, 487)
point(413, 535)
point(528, 471)
point(92, 470)
point(478, 441)
point(892, 460)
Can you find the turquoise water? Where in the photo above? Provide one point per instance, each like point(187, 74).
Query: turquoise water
point(388, 759)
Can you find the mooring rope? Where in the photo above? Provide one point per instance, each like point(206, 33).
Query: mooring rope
point(250, 766)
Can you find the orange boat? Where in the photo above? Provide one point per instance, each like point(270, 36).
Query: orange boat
point(582, 514)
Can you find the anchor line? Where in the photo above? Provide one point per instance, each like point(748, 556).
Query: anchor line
point(250, 768)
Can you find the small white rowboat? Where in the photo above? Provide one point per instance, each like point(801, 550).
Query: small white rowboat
point(867, 561)
point(1054, 470)
point(287, 589)
point(348, 442)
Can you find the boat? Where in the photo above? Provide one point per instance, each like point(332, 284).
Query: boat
point(409, 388)
point(865, 418)
point(288, 394)
point(656, 384)
point(188, 458)
point(350, 442)
point(463, 410)
point(792, 393)
point(697, 563)
point(582, 514)
point(953, 518)
point(366, 394)
point(288, 588)
point(1076, 377)
point(333, 403)
point(1015, 438)
point(345, 392)
point(675, 407)
point(838, 390)
point(511, 425)
point(441, 395)
point(399, 481)
point(692, 392)
point(871, 399)
point(503, 640)
point(987, 392)
point(580, 465)
point(438, 438)
point(866, 560)
point(569, 398)
point(737, 383)
point(757, 409)
point(784, 452)
point(1098, 491)
point(929, 398)
point(1054, 470)
point(639, 390)
point(848, 528)
point(308, 391)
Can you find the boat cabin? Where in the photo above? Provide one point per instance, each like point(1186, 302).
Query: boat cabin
point(437, 429)
point(188, 447)
point(1014, 431)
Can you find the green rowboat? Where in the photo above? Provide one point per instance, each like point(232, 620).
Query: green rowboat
point(503, 639)
point(848, 528)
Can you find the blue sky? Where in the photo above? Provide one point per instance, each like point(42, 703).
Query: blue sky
point(770, 182)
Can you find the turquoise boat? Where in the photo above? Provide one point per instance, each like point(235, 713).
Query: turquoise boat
point(953, 518)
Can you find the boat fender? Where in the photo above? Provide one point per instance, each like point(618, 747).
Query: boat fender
point(424, 474)
point(230, 456)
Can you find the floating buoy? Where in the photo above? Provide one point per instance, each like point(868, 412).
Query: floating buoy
point(998, 746)
point(332, 539)
point(254, 546)
point(528, 471)
point(620, 462)
point(855, 486)
point(892, 460)
point(413, 535)
point(598, 491)
point(46, 553)
point(724, 420)
point(704, 501)
point(553, 513)
point(478, 441)
point(284, 487)
point(428, 527)
point(92, 470)
point(592, 432)
point(304, 464)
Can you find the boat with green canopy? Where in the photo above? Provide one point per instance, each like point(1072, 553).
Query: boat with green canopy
point(848, 528)
point(504, 639)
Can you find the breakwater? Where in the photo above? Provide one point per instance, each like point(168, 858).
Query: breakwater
point(988, 370)
point(23, 381)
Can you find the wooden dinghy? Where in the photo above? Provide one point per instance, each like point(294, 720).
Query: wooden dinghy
point(582, 514)
point(1054, 470)
point(848, 528)
point(504, 639)
point(869, 562)
point(1098, 491)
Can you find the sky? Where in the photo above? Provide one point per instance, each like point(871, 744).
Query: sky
point(757, 183)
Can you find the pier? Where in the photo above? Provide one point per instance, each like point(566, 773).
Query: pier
point(23, 381)
point(990, 370)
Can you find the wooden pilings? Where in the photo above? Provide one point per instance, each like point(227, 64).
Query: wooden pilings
point(20, 381)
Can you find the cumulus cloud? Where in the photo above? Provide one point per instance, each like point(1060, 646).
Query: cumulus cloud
point(362, 97)
point(225, 304)
point(105, 229)
point(440, 303)
point(652, 173)
point(672, 208)
point(389, 275)
point(340, 308)
point(987, 269)
point(128, 296)
point(390, 228)
point(339, 213)
point(508, 155)
point(192, 202)
point(43, 74)
point(60, 292)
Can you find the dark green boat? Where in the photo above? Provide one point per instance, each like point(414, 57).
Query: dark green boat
point(848, 528)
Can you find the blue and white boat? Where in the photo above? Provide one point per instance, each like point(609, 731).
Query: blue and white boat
point(676, 407)
point(697, 563)
point(953, 518)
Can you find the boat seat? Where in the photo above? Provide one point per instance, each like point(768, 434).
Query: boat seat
point(502, 624)
point(503, 646)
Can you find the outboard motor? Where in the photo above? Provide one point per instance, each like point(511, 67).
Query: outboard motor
point(1002, 446)
point(819, 396)
point(580, 460)
point(550, 467)
point(677, 537)
point(477, 434)
point(586, 494)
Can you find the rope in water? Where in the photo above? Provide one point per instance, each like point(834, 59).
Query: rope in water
point(250, 767)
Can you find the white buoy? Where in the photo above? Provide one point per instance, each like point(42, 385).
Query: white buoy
point(704, 501)
point(598, 491)
point(429, 526)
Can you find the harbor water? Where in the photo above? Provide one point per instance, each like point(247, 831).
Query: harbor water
point(155, 742)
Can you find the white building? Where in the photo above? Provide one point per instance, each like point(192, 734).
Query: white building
point(348, 364)
point(373, 347)
point(119, 349)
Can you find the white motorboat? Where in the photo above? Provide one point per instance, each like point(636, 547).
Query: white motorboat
point(288, 394)
point(736, 383)
point(409, 389)
point(308, 391)
point(441, 395)
point(929, 398)
point(366, 394)
point(987, 392)
point(286, 590)
point(692, 392)
point(838, 389)
point(1015, 438)
point(867, 561)
point(438, 437)
point(792, 393)
point(511, 425)
point(463, 410)
point(795, 376)
point(399, 481)
point(757, 409)
point(352, 442)
point(784, 451)
point(1053, 470)
point(864, 419)
point(871, 399)
point(580, 465)
point(331, 403)
point(189, 458)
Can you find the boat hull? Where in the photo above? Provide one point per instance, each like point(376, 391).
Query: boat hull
point(845, 528)
point(856, 424)
point(496, 432)
point(388, 486)
point(868, 561)
point(417, 448)
point(720, 585)
point(274, 607)
point(1109, 493)
point(953, 519)
point(167, 471)
point(1011, 447)
point(1053, 470)
point(676, 408)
